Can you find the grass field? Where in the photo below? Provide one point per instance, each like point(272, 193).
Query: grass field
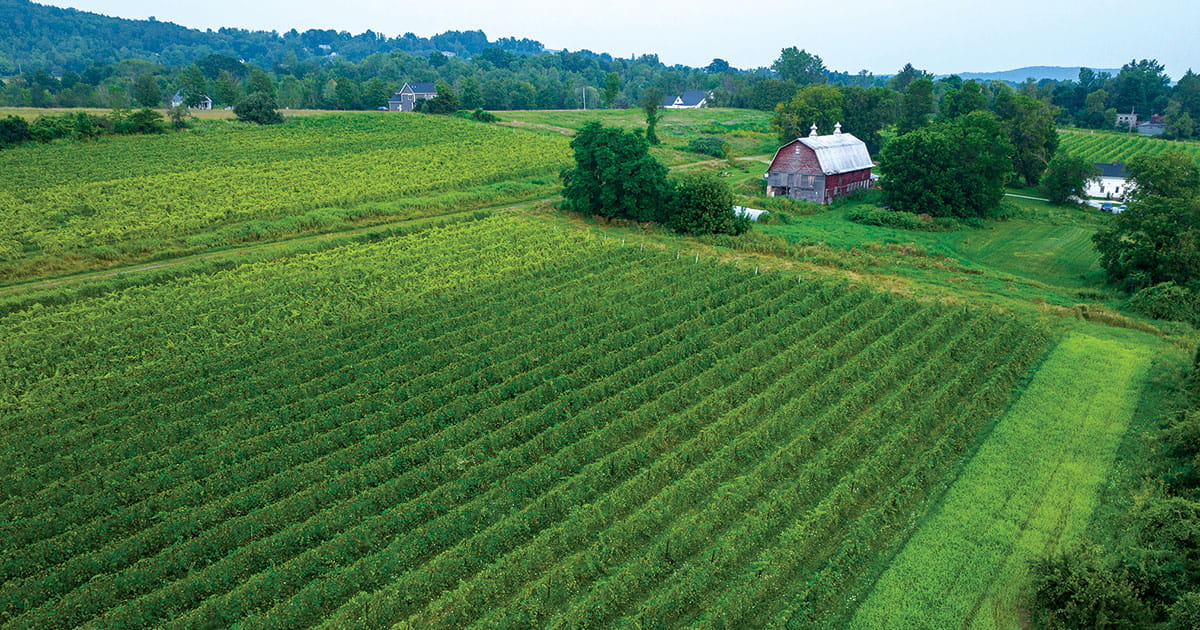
point(747, 132)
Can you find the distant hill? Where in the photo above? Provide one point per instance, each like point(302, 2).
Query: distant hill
point(40, 37)
point(1037, 73)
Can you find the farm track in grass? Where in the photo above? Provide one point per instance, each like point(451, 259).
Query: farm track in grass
point(489, 423)
point(1030, 489)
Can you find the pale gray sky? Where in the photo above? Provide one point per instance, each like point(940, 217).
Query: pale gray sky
point(942, 36)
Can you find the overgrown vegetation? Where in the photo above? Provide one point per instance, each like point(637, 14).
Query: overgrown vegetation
point(15, 130)
point(1148, 574)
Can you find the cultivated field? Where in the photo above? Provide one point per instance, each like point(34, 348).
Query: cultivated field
point(444, 418)
point(494, 423)
point(1107, 146)
point(72, 206)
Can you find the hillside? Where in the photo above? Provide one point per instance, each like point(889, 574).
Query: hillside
point(378, 393)
point(1037, 73)
point(38, 36)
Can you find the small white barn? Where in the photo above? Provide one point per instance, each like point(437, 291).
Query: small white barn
point(1113, 182)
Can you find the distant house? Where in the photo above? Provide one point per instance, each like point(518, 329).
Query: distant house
point(1156, 126)
point(691, 99)
point(405, 99)
point(205, 101)
point(1127, 121)
point(820, 168)
point(1112, 184)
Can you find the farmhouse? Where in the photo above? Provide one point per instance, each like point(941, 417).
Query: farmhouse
point(405, 99)
point(691, 99)
point(820, 168)
point(205, 101)
point(1112, 184)
point(1156, 126)
point(1127, 121)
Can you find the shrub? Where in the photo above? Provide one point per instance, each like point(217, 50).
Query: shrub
point(708, 146)
point(901, 220)
point(258, 108)
point(1167, 300)
point(701, 203)
point(1075, 589)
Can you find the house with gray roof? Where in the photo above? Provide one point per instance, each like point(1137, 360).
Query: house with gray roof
point(405, 99)
point(1113, 182)
point(691, 99)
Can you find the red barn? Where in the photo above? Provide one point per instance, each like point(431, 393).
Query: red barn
point(820, 168)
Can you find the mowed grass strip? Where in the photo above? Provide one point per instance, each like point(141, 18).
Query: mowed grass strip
point(1031, 487)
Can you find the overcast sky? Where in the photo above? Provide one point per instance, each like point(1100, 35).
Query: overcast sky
point(941, 36)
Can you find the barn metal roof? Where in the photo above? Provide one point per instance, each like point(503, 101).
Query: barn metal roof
point(839, 153)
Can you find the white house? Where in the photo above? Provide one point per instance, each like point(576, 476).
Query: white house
point(1113, 183)
point(205, 101)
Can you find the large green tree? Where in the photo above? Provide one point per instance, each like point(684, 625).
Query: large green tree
point(868, 111)
point(954, 168)
point(1034, 135)
point(258, 108)
point(614, 176)
point(1067, 176)
point(819, 105)
point(1157, 239)
point(916, 106)
point(800, 66)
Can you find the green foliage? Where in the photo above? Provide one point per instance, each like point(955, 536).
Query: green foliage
point(800, 66)
point(1167, 300)
point(708, 145)
point(899, 219)
point(614, 176)
point(1075, 590)
point(868, 111)
point(970, 98)
point(143, 121)
point(1157, 238)
point(1067, 177)
point(1033, 133)
point(258, 108)
point(14, 130)
point(612, 85)
point(956, 168)
point(446, 101)
point(1169, 175)
point(916, 106)
point(819, 105)
point(701, 203)
point(651, 104)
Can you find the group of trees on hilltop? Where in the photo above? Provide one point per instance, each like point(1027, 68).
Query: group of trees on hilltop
point(616, 177)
